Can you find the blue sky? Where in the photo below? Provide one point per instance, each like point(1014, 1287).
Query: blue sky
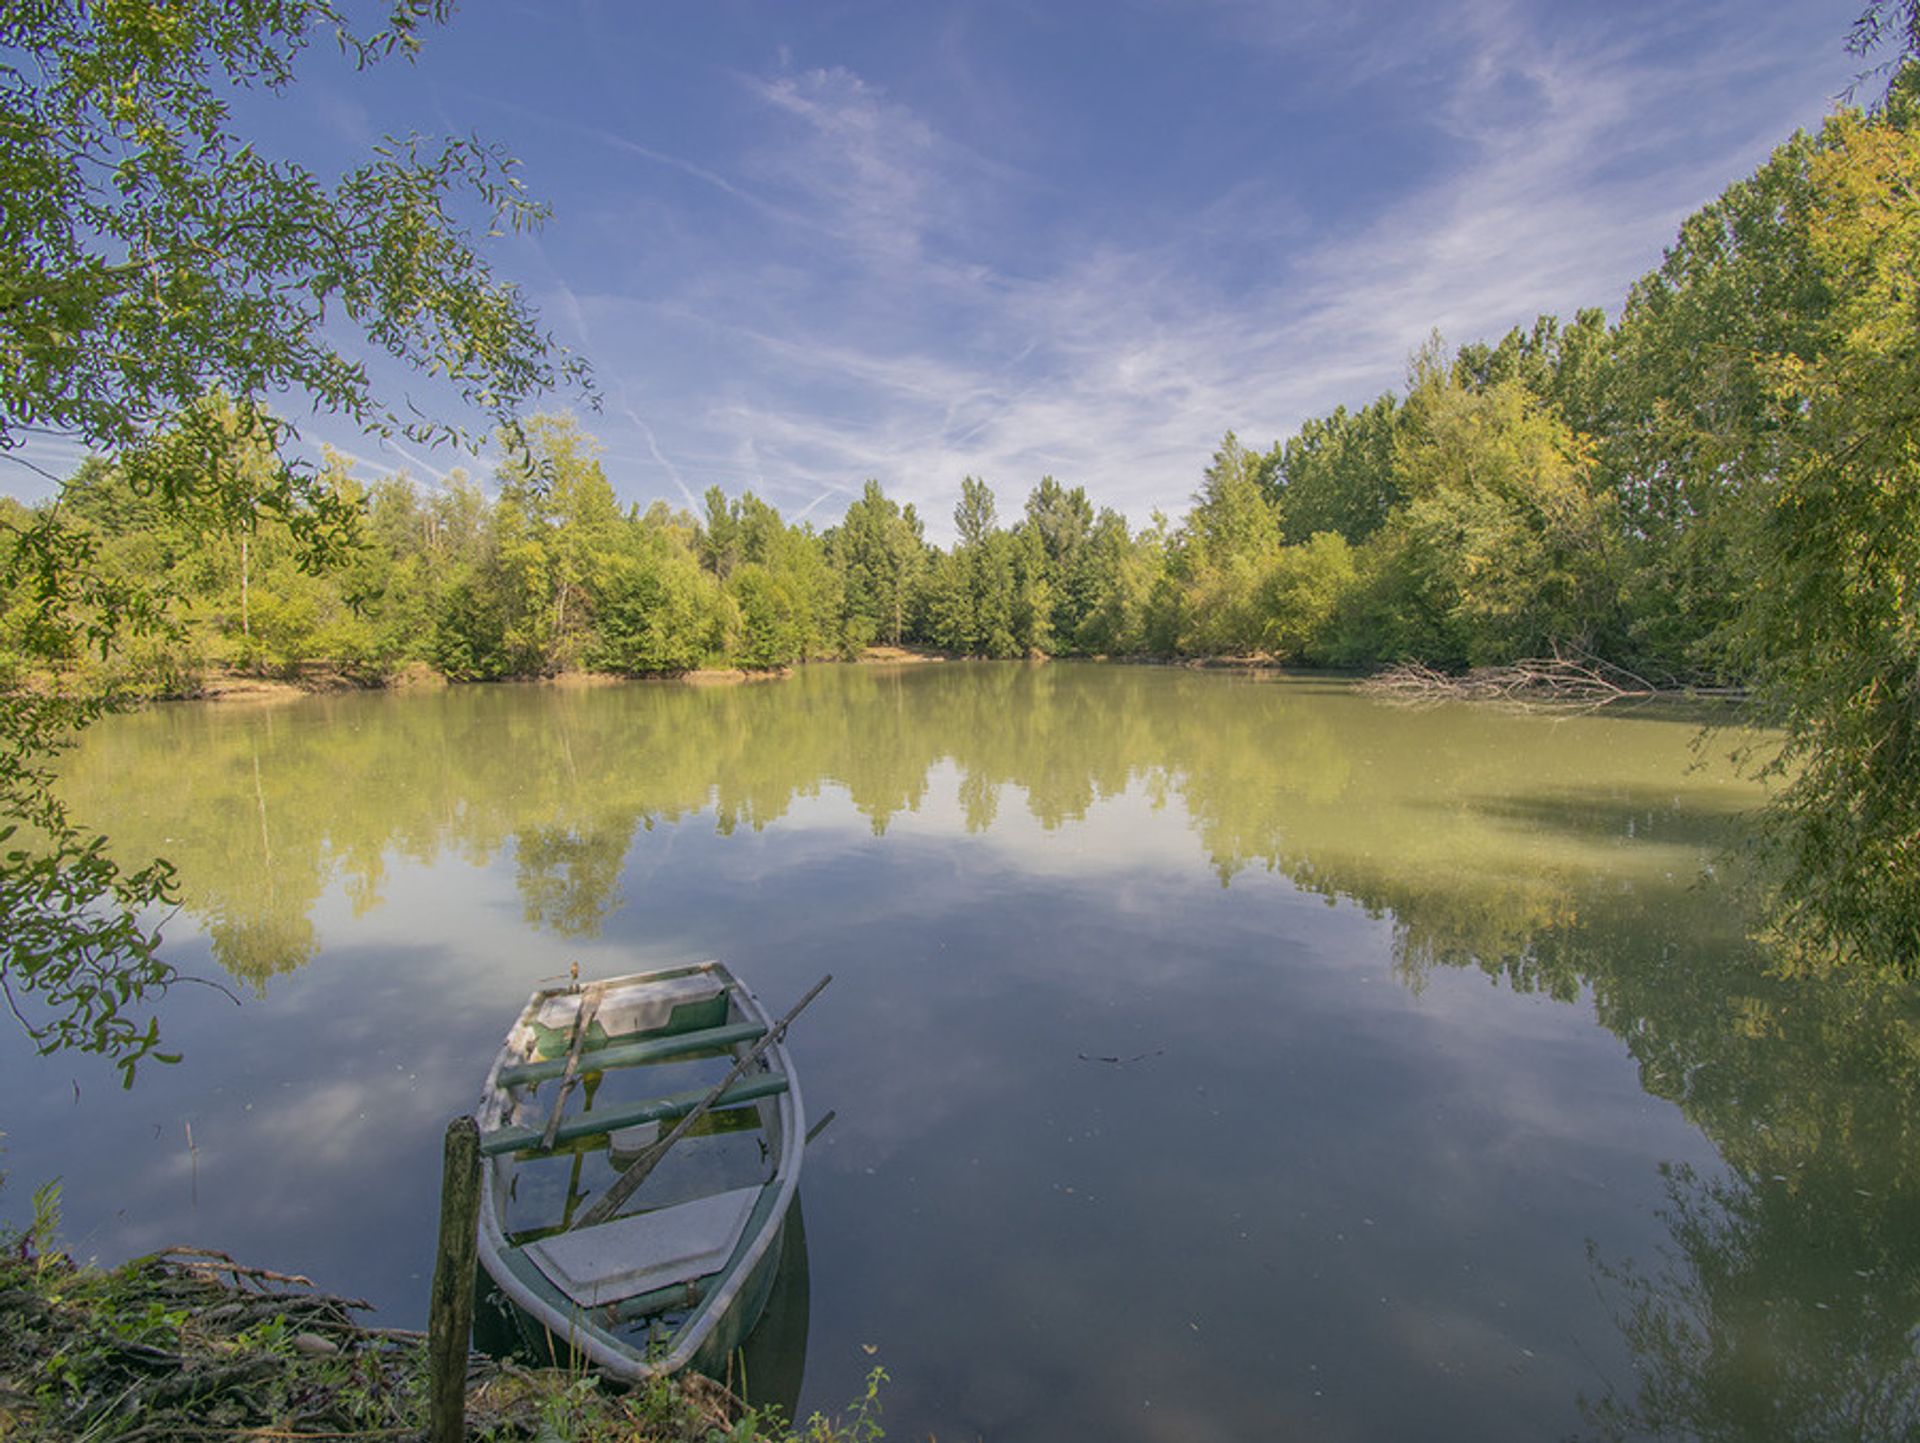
point(804, 244)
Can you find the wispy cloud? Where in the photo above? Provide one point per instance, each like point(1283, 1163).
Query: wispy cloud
point(793, 277)
point(865, 167)
point(659, 456)
point(1122, 367)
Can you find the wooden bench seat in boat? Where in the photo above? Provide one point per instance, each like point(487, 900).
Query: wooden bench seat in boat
point(637, 1007)
point(608, 1055)
point(631, 1255)
point(611, 1119)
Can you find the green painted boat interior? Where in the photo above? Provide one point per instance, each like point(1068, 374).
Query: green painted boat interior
point(720, 1120)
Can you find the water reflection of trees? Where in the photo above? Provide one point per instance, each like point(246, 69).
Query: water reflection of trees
point(1785, 1308)
point(1565, 859)
point(1419, 816)
point(1787, 1302)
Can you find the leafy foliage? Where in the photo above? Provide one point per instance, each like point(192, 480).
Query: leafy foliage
point(1830, 630)
point(152, 263)
point(77, 954)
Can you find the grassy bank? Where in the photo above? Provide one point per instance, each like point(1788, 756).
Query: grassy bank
point(190, 1345)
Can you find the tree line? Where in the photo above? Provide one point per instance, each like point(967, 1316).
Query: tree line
point(1669, 492)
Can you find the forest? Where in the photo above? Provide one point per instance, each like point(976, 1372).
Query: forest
point(1614, 490)
point(1715, 489)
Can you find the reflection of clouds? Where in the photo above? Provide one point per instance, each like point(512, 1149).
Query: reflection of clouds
point(1477, 1128)
point(328, 1124)
point(1295, 1087)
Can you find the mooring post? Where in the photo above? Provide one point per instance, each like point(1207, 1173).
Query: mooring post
point(450, 1310)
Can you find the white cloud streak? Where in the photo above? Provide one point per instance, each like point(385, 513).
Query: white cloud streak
point(836, 297)
point(1122, 367)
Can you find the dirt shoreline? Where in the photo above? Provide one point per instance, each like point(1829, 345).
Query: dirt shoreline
point(228, 685)
point(231, 686)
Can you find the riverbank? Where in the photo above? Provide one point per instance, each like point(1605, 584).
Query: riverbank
point(1548, 682)
point(233, 685)
point(191, 1345)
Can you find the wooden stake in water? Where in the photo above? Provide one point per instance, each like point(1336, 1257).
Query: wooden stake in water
point(450, 1308)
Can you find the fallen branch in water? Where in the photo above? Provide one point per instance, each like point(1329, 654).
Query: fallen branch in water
point(1581, 681)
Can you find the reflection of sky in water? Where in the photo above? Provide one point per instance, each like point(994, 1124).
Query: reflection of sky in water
point(1335, 1184)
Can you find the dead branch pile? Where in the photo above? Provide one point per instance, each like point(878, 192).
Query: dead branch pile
point(1572, 681)
point(190, 1345)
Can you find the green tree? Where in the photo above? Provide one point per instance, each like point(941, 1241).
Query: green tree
point(556, 526)
point(1034, 590)
point(973, 608)
point(721, 534)
point(1062, 520)
point(1829, 628)
point(879, 550)
point(1229, 538)
point(1300, 598)
point(1502, 530)
point(948, 602)
point(660, 613)
point(782, 583)
point(1691, 423)
point(1122, 572)
point(149, 256)
point(1337, 474)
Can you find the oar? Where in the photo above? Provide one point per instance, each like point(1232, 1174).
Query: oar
point(583, 1016)
point(623, 1186)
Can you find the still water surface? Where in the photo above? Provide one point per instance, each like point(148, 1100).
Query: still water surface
point(1214, 1056)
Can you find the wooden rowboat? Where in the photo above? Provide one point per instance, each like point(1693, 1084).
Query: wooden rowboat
point(590, 1079)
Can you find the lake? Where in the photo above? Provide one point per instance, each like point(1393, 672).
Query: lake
point(1214, 1055)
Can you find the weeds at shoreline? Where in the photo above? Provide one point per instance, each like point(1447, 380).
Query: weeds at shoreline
point(190, 1345)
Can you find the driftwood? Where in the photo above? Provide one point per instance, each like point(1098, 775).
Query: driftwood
point(1555, 680)
point(196, 1261)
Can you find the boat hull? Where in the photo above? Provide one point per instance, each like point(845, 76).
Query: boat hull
point(708, 1317)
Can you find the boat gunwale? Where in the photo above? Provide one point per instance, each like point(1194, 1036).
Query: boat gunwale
point(578, 1324)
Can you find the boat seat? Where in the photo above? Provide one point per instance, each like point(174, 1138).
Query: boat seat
point(516, 1137)
point(660, 1249)
point(635, 1008)
point(610, 1055)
